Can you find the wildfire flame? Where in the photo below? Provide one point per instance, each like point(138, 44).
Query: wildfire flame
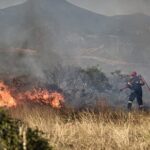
point(54, 99)
point(6, 100)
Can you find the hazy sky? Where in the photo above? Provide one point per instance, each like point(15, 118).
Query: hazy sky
point(9, 3)
point(115, 7)
point(106, 7)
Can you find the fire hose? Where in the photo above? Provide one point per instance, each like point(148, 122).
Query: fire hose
point(145, 83)
point(142, 80)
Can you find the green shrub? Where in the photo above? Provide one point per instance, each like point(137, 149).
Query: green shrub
point(35, 140)
point(12, 135)
point(97, 78)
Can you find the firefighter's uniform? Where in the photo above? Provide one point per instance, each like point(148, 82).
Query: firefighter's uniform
point(135, 85)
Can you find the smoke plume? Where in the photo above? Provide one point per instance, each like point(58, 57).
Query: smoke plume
point(37, 35)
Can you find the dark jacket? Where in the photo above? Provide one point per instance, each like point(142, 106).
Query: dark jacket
point(135, 83)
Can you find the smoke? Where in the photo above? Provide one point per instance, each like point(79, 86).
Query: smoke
point(124, 36)
point(25, 27)
point(61, 32)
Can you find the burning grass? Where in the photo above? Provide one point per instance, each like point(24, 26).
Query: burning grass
point(10, 97)
point(89, 129)
point(6, 99)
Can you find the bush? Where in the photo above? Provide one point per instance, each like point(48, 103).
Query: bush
point(97, 78)
point(35, 140)
point(15, 136)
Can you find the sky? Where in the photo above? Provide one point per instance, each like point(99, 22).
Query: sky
point(115, 7)
point(9, 3)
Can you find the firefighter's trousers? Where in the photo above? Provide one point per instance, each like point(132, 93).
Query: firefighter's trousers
point(138, 96)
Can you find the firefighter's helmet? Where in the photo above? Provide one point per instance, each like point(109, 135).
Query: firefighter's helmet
point(133, 74)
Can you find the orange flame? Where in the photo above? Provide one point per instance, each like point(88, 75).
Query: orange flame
point(55, 99)
point(6, 100)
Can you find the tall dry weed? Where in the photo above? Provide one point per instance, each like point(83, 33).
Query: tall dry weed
point(89, 130)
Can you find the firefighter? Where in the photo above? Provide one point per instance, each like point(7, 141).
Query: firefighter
point(135, 84)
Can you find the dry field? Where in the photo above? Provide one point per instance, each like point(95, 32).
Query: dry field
point(89, 130)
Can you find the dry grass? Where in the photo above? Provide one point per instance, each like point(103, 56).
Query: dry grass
point(87, 130)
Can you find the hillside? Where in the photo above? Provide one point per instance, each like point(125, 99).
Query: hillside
point(72, 32)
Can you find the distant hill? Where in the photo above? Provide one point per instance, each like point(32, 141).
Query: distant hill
point(72, 32)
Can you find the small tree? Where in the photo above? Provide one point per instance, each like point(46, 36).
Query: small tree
point(97, 78)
